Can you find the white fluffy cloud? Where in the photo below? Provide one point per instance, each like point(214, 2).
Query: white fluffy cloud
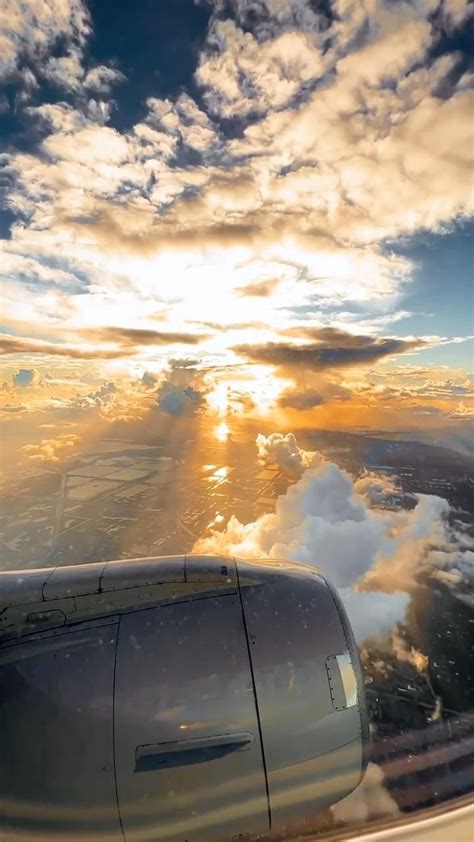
point(243, 75)
point(374, 556)
point(284, 451)
point(28, 30)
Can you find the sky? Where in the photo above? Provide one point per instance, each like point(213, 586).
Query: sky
point(252, 206)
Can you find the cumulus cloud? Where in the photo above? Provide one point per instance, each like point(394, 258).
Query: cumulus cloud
point(374, 613)
point(180, 391)
point(241, 74)
point(50, 450)
point(113, 400)
point(100, 79)
point(29, 30)
point(148, 380)
point(65, 71)
point(378, 489)
point(49, 37)
point(374, 556)
point(284, 451)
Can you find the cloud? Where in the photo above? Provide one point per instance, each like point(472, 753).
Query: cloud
point(261, 290)
point(378, 489)
point(98, 399)
point(457, 11)
point(135, 337)
point(175, 401)
point(408, 654)
point(242, 75)
point(374, 613)
point(50, 450)
point(374, 556)
point(28, 31)
point(66, 71)
point(100, 79)
point(183, 121)
point(25, 377)
point(14, 407)
point(148, 380)
point(283, 450)
point(180, 391)
point(301, 399)
point(420, 543)
point(343, 131)
point(127, 341)
point(462, 411)
point(49, 37)
point(23, 345)
point(371, 800)
point(333, 349)
point(114, 400)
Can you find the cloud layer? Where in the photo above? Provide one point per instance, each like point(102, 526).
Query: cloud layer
point(259, 218)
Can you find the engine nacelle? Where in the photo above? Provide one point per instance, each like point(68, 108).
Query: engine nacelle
point(178, 698)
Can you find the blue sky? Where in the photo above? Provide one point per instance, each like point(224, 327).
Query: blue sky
point(441, 295)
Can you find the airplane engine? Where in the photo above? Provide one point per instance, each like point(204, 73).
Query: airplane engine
point(178, 698)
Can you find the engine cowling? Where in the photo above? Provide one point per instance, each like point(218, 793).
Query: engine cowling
point(177, 698)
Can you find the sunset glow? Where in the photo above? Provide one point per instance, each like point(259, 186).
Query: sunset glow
point(278, 230)
point(237, 320)
point(222, 431)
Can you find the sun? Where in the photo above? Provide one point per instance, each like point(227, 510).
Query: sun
point(218, 399)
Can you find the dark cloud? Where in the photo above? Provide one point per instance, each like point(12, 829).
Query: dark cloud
point(178, 401)
point(331, 348)
point(127, 340)
point(148, 380)
point(132, 336)
point(331, 336)
point(302, 399)
point(181, 391)
point(23, 345)
point(183, 362)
